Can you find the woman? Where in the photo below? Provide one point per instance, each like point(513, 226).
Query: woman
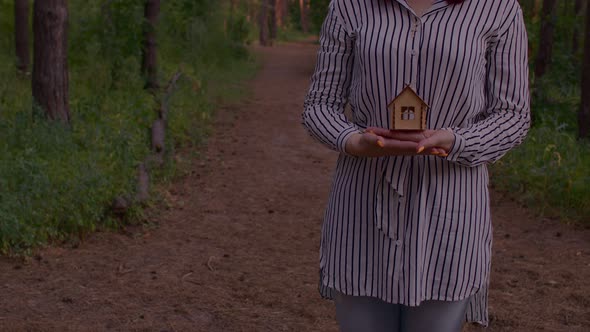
point(407, 234)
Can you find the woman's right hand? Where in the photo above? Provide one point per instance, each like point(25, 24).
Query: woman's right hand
point(368, 144)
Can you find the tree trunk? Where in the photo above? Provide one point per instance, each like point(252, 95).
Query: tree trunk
point(282, 10)
point(545, 38)
point(50, 67)
point(230, 19)
point(304, 11)
point(253, 12)
point(273, 19)
point(578, 12)
point(149, 64)
point(263, 23)
point(536, 9)
point(21, 34)
point(527, 7)
point(584, 111)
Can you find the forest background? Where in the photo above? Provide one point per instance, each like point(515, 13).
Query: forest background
point(62, 179)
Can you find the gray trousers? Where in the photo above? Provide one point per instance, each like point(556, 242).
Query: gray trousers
point(367, 314)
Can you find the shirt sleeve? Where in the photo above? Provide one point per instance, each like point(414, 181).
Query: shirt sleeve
point(506, 120)
point(323, 114)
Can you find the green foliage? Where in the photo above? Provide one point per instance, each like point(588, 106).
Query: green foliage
point(550, 172)
point(288, 34)
point(294, 15)
point(318, 12)
point(58, 182)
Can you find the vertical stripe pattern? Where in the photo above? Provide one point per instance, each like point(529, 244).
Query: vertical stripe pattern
point(407, 229)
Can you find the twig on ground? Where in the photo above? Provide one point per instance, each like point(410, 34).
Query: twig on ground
point(186, 276)
point(209, 263)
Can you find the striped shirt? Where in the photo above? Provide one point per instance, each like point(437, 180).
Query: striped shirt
point(406, 229)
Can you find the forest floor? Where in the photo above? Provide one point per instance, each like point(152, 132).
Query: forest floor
point(235, 245)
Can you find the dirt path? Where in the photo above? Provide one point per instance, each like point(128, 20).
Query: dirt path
point(237, 249)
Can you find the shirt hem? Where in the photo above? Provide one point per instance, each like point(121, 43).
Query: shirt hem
point(327, 292)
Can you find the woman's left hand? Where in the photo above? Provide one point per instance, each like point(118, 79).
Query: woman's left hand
point(428, 140)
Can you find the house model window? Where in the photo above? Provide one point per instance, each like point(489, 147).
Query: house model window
point(408, 111)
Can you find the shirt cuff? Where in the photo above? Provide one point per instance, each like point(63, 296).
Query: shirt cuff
point(457, 148)
point(343, 138)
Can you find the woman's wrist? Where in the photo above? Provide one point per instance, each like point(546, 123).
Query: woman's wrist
point(449, 139)
point(351, 145)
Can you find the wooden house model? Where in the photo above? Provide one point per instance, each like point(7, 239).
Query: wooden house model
point(408, 111)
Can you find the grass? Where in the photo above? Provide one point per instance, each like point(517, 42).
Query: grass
point(549, 173)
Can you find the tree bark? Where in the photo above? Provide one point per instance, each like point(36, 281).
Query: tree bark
point(584, 111)
point(536, 9)
point(578, 12)
point(263, 23)
point(50, 67)
point(273, 19)
point(304, 11)
point(546, 38)
point(527, 6)
point(149, 64)
point(143, 184)
point(282, 9)
point(21, 34)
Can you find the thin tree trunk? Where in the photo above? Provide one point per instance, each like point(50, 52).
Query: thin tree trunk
point(21, 34)
point(545, 38)
point(50, 67)
point(282, 8)
point(149, 65)
point(273, 19)
point(527, 7)
point(584, 111)
point(578, 12)
point(232, 9)
point(304, 11)
point(253, 11)
point(536, 9)
point(263, 23)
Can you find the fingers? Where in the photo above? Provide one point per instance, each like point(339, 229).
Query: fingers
point(428, 143)
point(378, 131)
point(402, 147)
point(375, 143)
point(407, 142)
point(401, 135)
point(370, 138)
point(440, 139)
point(436, 152)
point(379, 137)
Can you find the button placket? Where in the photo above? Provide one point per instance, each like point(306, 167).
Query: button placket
point(415, 32)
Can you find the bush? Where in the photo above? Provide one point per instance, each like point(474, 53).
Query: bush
point(549, 173)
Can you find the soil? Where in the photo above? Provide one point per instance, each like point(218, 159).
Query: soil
point(235, 246)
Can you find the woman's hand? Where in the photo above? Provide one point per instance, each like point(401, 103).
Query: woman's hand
point(379, 142)
point(438, 141)
point(368, 144)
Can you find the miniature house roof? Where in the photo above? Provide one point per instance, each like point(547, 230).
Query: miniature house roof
point(410, 90)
